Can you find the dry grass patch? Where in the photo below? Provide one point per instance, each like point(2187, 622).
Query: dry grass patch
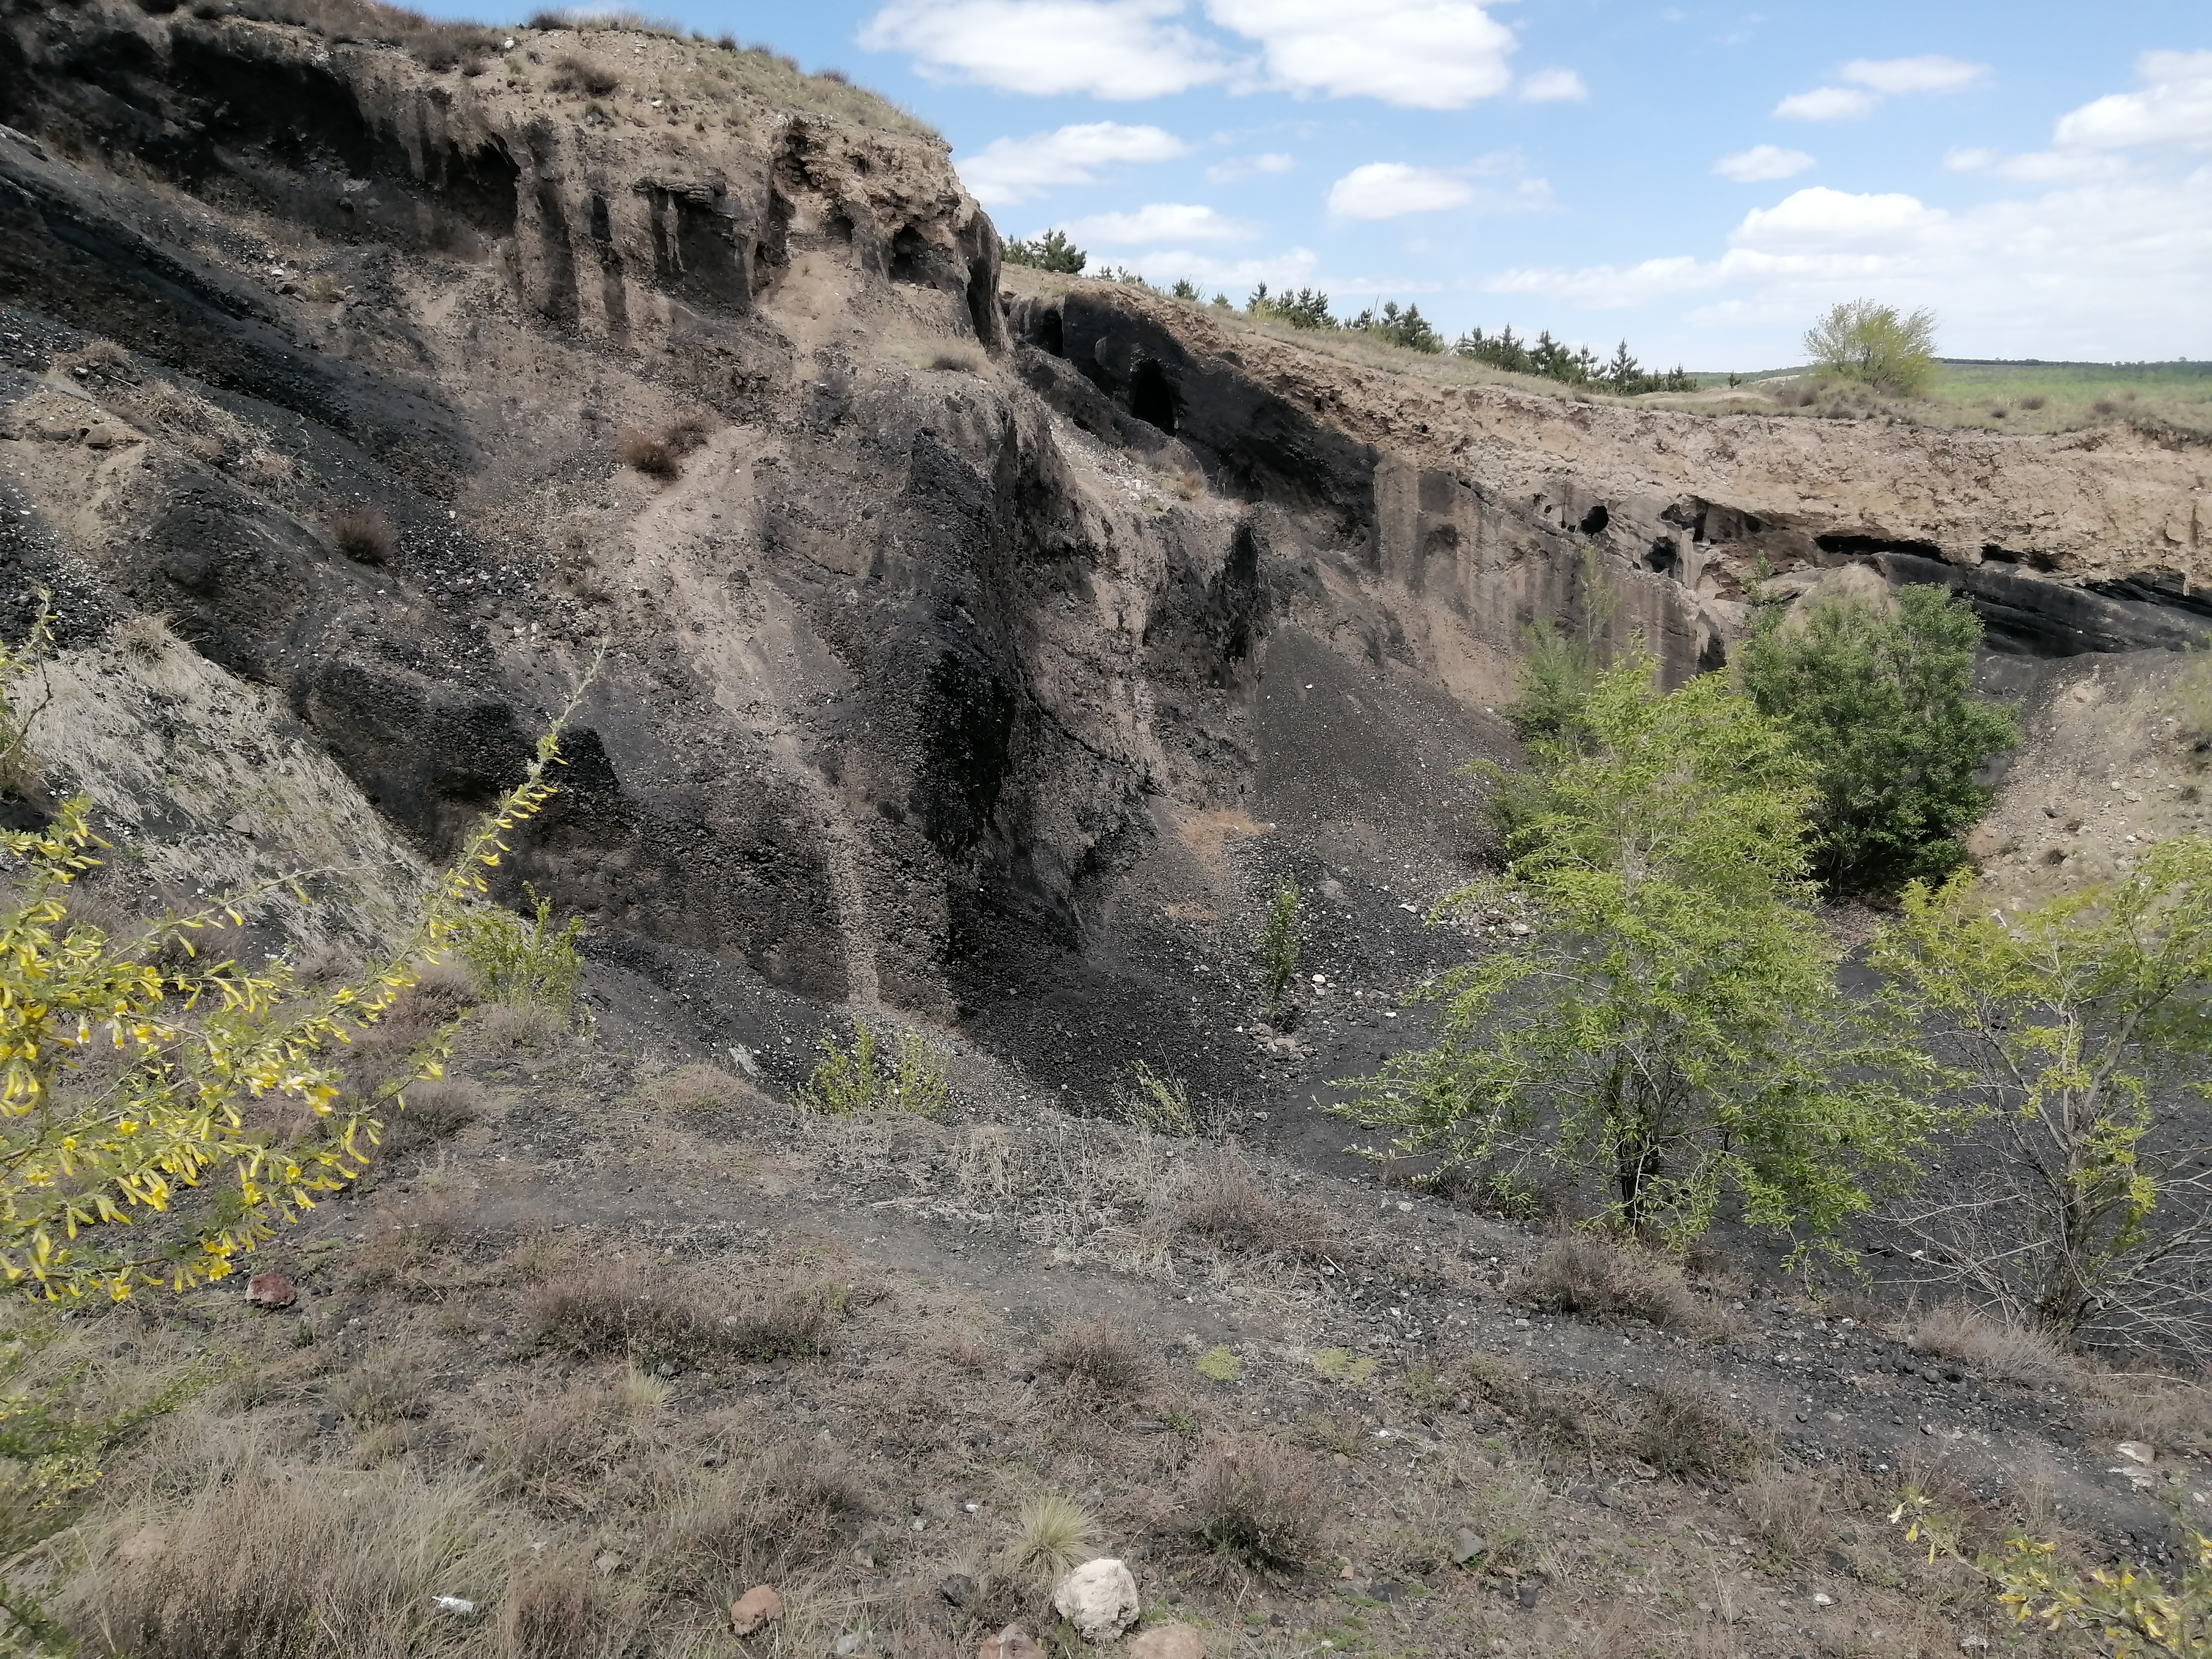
point(1586, 1273)
point(364, 535)
point(435, 1110)
point(1256, 1503)
point(559, 1606)
point(574, 73)
point(1786, 1513)
point(1224, 1203)
point(615, 1307)
point(1099, 1366)
point(1052, 1533)
point(273, 1567)
point(1993, 1346)
point(788, 1509)
point(700, 1088)
point(1681, 1431)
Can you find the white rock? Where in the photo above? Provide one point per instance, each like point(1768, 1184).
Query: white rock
point(1099, 1598)
point(460, 1606)
point(2135, 1452)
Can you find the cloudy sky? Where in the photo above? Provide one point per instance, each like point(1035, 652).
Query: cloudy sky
point(1700, 178)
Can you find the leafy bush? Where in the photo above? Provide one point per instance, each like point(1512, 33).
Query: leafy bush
point(1873, 344)
point(1884, 705)
point(2075, 1029)
point(1674, 1032)
point(521, 962)
point(2128, 1611)
point(861, 1079)
point(1050, 252)
point(1559, 666)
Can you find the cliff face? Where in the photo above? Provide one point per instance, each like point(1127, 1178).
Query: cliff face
point(979, 656)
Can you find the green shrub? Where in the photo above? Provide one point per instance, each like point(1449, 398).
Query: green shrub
point(1884, 707)
point(520, 961)
point(1161, 1105)
point(860, 1078)
point(1860, 340)
point(1279, 949)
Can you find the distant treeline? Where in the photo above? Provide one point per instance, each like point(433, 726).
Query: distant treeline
point(1309, 308)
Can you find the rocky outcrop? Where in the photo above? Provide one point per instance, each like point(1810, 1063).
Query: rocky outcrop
point(977, 656)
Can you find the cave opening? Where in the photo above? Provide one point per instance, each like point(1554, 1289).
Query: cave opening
point(1152, 397)
point(1595, 520)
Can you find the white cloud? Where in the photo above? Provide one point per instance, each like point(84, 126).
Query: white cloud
point(1554, 86)
point(1819, 220)
point(1423, 54)
point(1106, 48)
point(1291, 269)
point(1243, 167)
point(1875, 79)
point(2099, 270)
point(1389, 190)
point(2044, 166)
point(1762, 163)
point(1826, 104)
point(1929, 73)
point(2174, 108)
point(1162, 222)
point(1008, 170)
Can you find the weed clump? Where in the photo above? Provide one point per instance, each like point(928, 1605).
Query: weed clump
point(1224, 1204)
point(860, 1077)
point(364, 535)
point(573, 73)
point(1587, 1274)
point(521, 963)
point(660, 454)
point(1279, 947)
point(1097, 1363)
point(1159, 1104)
point(1256, 1503)
point(613, 1308)
point(1681, 1432)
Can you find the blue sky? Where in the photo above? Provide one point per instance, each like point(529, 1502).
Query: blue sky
point(1701, 179)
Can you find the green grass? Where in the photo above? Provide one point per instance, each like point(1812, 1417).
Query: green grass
point(2020, 396)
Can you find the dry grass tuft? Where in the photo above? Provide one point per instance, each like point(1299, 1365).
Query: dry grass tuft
point(1682, 1432)
point(1099, 1364)
point(506, 1028)
point(955, 362)
point(1258, 1504)
point(574, 73)
point(649, 453)
point(2172, 1415)
point(390, 1388)
point(145, 635)
point(557, 1607)
point(1224, 1203)
point(700, 1088)
point(1784, 1512)
point(364, 535)
point(1996, 1348)
point(268, 1568)
point(617, 1307)
point(787, 1509)
point(435, 1109)
point(1053, 1534)
point(1586, 1274)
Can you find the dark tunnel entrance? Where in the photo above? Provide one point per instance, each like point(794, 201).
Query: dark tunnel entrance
point(1152, 397)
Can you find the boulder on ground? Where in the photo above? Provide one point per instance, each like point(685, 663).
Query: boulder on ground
point(1099, 1598)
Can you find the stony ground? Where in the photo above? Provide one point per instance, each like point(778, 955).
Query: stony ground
point(637, 1317)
